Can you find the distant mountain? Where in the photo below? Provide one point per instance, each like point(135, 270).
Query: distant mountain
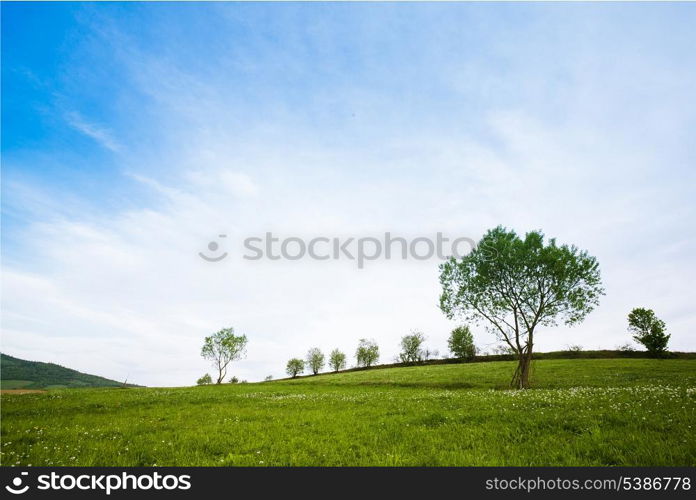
point(18, 373)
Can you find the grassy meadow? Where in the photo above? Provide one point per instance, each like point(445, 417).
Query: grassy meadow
point(580, 412)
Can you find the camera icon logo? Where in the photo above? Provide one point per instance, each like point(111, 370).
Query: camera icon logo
point(16, 487)
point(214, 246)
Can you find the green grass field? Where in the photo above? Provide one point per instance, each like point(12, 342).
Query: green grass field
point(580, 412)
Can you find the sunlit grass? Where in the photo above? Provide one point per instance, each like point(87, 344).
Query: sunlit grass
point(580, 412)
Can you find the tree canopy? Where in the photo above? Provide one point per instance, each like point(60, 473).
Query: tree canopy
point(315, 360)
point(367, 353)
point(294, 367)
point(223, 347)
point(337, 360)
point(461, 343)
point(411, 347)
point(649, 330)
point(513, 285)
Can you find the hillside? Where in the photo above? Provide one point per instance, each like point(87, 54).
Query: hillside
point(18, 373)
point(631, 412)
point(548, 374)
point(449, 377)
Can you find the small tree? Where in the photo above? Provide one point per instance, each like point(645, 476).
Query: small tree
point(268, 378)
point(461, 343)
point(222, 348)
point(204, 380)
point(367, 353)
point(516, 284)
point(294, 367)
point(234, 380)
point(315, 360)
point(411, 351)
point(649, 330)
point(337, 360)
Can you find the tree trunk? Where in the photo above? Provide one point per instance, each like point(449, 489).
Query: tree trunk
point(520, 380)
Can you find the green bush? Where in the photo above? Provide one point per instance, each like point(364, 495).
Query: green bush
point(649, 330)
point(461, 343)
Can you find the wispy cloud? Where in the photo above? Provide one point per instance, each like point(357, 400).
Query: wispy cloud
point(303, 128)
point(100, 134)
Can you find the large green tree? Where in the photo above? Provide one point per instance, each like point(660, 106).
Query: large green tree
point(514, 285)
point(223, 347)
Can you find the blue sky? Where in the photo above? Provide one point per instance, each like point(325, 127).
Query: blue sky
point(134, 133)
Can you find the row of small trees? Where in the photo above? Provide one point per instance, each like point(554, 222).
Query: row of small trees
point(646, 327)
point(512, 284)
point(207, 379)
point(367, 354)
point(224, 346)
point(461, 343)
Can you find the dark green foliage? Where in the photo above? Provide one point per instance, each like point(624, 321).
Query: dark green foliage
point(649, 330)
point(18, 373)
point(461, 343)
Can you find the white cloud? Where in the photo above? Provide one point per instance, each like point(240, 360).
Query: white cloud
point(131, 291)
point(125, 292)
point(99, 134)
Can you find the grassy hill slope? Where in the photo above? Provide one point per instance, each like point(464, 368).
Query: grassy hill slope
point(580, 412)
point(547, 374)
point(18, 373)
